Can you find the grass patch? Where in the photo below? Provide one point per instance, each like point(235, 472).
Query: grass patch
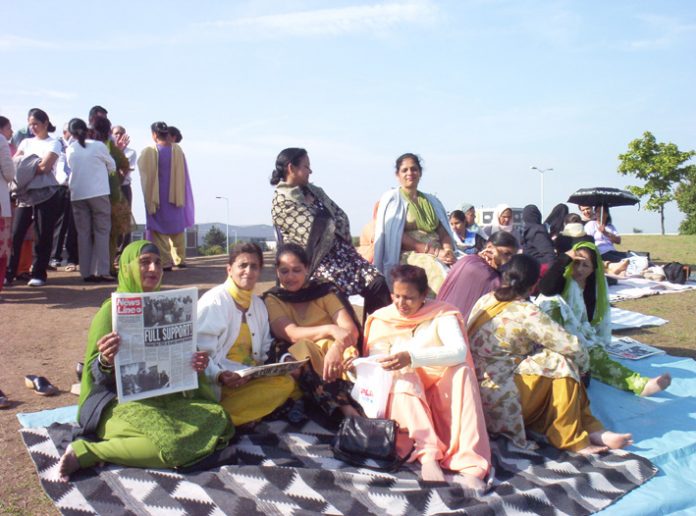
point(667, 248)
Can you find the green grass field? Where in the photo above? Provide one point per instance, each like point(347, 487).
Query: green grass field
point(677, 337)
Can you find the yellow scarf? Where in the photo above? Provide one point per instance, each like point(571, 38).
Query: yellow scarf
point(486, 315)
point(241, 297)
point(148, 165)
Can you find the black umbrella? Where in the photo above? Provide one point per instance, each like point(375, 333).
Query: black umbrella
point(603, 196)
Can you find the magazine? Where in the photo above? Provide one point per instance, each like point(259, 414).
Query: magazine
point(278, 369)
point(626, 347)
point(158, 340)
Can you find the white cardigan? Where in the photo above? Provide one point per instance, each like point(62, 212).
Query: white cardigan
point(219, 322)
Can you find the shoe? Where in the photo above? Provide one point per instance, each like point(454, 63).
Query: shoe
point(79, 367)
point(36, 282)
point(71, 267)
point(182, 265)
point(6, 282)
point(54, 263)
point(4, 402)
point(91, 279)
point(106, 279)
point(40, 385)
point(167, 269)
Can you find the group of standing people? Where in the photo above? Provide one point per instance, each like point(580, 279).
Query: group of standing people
point(480, 358)
point(76, 192)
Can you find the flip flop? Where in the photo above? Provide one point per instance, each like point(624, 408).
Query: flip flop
point(40, 385)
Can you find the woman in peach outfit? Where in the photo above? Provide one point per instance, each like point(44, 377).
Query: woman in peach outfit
point(434, 394)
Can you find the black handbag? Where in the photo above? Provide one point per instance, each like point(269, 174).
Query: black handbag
point(370, 443)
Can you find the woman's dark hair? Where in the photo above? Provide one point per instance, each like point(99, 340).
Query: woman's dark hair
point(42, 117)
point(101, 128)
point(78, 128)
point(409, 155)
point(556, 219)
point(290, 156)
point(458, 215)
point(3, 122)
point(175, 134)
point(295, 249)
point(572, 218)
point(246, 247)
point(520, 274)
point(411, 274)
point(160, 129)
point(504, 239)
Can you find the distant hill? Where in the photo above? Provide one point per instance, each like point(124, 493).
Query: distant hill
point(256, 231)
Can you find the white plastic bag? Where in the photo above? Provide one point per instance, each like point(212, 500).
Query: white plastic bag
point(372, 385)
point(636, 265)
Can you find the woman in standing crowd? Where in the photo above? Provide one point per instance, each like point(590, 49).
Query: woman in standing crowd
point(412, 227)
point(304, 214)
point(7, 174)
point(90, 165)
point(38, 198)
point(536, 241)
point(434, 394)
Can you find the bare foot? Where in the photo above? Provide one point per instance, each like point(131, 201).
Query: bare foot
point(432, 472)
point(349, 410)
point(469, 482)
point(592, 449)
point(68, 464)
point(657, 384)
point(611, 440)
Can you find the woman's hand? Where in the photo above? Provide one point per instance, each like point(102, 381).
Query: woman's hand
point(446, 256)
point(231, 380)
point(344, 338)
point(333, 363)
point(396, 361)
point(200, 361)
point(108, 347)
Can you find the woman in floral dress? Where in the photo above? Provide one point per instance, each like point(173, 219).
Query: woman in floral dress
point(529, 367)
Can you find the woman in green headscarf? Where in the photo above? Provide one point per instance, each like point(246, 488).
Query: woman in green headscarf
point(162, 432)
point(580, 303)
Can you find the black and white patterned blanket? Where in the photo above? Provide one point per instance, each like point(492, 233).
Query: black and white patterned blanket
point(280, 469)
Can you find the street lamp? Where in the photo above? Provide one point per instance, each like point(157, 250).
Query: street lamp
point(541, 171)
point(227, 224)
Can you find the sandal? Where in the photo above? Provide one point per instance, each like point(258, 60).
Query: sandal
point(40, 385)
point(71, 267)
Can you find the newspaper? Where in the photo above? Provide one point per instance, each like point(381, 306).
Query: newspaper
point(626, 347)
point(278, 369)
point(158, 340)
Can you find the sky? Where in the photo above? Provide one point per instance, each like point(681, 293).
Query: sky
point(482, 90)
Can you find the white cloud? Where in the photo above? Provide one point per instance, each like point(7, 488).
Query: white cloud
point(375, 18)
point(12, 42)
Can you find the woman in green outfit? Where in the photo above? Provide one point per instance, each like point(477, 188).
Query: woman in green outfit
point(580, 303)
point(162, 432)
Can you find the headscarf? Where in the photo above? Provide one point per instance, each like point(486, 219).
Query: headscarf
point(496, 225)
point(556, 219)
point(129, 277)
point(601, 295)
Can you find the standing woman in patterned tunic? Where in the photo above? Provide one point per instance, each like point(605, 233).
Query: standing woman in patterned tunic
point(305, 215)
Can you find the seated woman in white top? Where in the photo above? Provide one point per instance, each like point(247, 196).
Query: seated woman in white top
point(90, 164)
point(605, 235)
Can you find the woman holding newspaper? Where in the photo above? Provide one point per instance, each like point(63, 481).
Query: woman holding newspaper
point(161, 432)
point(233, 328)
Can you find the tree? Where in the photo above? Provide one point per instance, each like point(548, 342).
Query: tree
point(686, 200)
point(214, 239)
point(660, 165)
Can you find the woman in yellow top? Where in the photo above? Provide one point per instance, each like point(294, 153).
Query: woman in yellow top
point(233, 328)
point(412, 227)
point(317, 324)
